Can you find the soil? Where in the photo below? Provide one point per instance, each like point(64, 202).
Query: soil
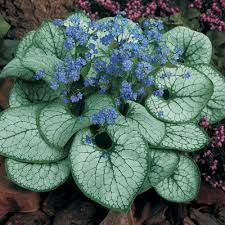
point(26, 15)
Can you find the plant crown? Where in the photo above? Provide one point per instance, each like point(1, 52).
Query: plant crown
point(112, 102)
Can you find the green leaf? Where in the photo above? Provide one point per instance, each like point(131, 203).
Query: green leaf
point(217, 38)
point(35, 60)
point(15, 69)
point(84, 20)
point(25, 93)
point(162, 165)
point(214, 115)
point(95, 103)
point(196, 46)
point(217, 100)
point(58, 125)
point(4, 27)
point(7, 49)
point(152, 129)
point(50, 39)
point(37, 177)
point(25, 44)
point(184, 137)
point(215, 109)
point(20, 138)
point(186, 96)
point(111, 177)
point(183, 185)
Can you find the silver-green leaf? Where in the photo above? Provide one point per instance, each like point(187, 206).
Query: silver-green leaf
point(187, 96)
point(58, 125)
point(111, 177)
point(15, 69)
point(95, 103)
point(25, 93)
point(36, 60)
point(183, 185)
point(138, 117)
point(196, 46)
point(25, 44)
point(184, 137)
point(20, 137)
point(37, 177)
point(50, 39)
point(162, 164)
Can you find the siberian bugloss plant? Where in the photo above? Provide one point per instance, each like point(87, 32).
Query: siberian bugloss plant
point(112, 102)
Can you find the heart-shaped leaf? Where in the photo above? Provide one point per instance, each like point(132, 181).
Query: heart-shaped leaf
point(112, 176)
point(36, 60)
point(217, 99)
point(37, 177)
point(58, 125)
point(50, 39)
point(184, 137)
point(196, 46)
point(25, 44)
point(25, 93)
point(95, 103)
point(21, 139)
point(183, 184)
point(15, 69)
point(162, 165)
point(138, 117)
point(186, 96)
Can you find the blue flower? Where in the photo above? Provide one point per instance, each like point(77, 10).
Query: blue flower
point(158, 92)
point(66, 100)
point(187, 74)
point(149, 81)
point(127, 65)
point(117, 102)
point(77, 97)
point(102, 91)
point(165, 74)
point(39, 74)
point(143, 69)
point(58, 22)
point(90, 82)
point(69, 43)
point(54, 85)
point(176, 55)
point(88, 140)
point(107, 39)
point(107, 115)
point(141, 91)
point(160, 114)
point(126, 91)
point(100, 65)
point(103, 80)
point(104, 154)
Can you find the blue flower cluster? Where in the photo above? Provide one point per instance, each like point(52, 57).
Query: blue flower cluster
point(39, 74)
point(77, 97)
point(124, 68)
point(126, 91)
point(76, 34)
point(88, 140)
point(105, 116)
point(68, 71)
